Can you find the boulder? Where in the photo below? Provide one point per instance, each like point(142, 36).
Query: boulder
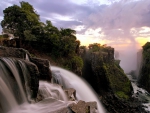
point(93, 107)
point(44, 68)
point(71, 94)
point(80, 107)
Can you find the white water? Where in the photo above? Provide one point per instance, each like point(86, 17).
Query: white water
point(27, 57)
point(53, 95)
point(54, 99)
point(10, 99)
point(52, 90)
point(69, 80)
point(140, 93)
point(10, 63)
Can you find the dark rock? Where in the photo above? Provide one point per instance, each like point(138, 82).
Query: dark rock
point(13, 52)
point(116, 105)
point(44, 68)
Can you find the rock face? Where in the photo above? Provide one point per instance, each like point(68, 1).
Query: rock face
point(42, 64)
point(106, 73)
point(144, 77)
point(115, 105)
point(44, 68)
point(13, 52)
point(38, 68)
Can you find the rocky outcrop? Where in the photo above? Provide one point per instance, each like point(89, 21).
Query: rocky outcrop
point(13, 52)
point(84, 107)
point(71, 94)
point(42, 64)
point(115, 105)
point(106, 74)
point(44, 68)
point(144, 77)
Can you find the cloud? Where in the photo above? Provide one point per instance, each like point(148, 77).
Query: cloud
point(117, 19)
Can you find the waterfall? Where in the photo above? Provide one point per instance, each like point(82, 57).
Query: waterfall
point(27, 57)
point(15, 91)
point(69, 80)
point(13, 68)
point(11, 90)
point(52, 90)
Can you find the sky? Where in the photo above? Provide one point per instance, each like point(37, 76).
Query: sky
point(122, 24)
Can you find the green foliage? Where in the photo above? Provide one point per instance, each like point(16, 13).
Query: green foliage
point(145, 70)
point(110, 71)
point(29, 36)
point(146, 46)
point(118, 81)
point(121, 94)
point(23, 22)
point(14, 20)
point(20, 20)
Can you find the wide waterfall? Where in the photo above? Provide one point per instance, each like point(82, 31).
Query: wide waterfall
point(16, 96)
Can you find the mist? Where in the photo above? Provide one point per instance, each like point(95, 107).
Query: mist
point(129, 56)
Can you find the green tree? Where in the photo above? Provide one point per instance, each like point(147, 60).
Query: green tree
point(19, 19)
point(68, 32)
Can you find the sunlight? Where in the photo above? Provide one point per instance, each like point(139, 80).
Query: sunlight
point(142, 40)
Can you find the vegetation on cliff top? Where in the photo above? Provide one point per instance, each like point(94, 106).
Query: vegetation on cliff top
point(24, 23)
point(107, 70)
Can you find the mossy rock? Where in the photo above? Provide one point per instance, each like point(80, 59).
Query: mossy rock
point(109, 75)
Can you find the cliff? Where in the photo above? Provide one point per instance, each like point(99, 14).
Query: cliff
point(144, 77)
point(105, 74)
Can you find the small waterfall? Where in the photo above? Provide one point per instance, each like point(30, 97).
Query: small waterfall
point(7, 98)
point(52, 90)
point(13, 68)
point(27, 57)
point(11, 90)
point(69, 80)
point(26, 74)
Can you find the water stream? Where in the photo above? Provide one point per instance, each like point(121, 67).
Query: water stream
point(140, 93)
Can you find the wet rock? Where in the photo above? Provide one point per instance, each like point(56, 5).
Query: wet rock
point(80, 107)
point(93, 107)
point(44, 68)
point(71, 94)
point(116, 105)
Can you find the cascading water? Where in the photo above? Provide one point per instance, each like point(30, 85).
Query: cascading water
point(70, 80)
point(53, 96)
point(52, 90)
